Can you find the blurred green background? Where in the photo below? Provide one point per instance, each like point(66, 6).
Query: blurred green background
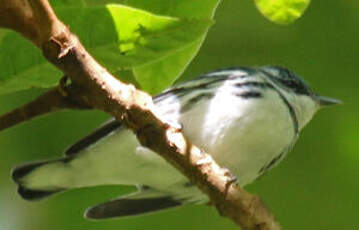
point(315, 187)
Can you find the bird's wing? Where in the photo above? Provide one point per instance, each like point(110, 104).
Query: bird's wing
point(106, 129)
point(141, 202)
point(166, 101)
point(92, 138)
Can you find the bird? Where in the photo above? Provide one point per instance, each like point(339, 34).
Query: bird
point(246, 118)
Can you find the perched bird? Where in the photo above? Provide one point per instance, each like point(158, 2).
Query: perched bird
point(247, 118)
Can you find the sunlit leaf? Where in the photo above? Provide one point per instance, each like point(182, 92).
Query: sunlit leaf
point(158, 75)
point(282, 11)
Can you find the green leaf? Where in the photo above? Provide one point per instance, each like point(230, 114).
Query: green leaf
point(282, 11)
point(144, 37)
point(158, 75)
point(156, 48)
point(22, 65)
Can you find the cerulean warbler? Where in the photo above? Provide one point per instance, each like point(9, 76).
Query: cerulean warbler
point(248, 119)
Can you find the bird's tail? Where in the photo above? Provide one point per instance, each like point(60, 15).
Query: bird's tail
point(41, 179)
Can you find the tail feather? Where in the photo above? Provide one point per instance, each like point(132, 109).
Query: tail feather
point(22, 170)
point(33, 195)
point(20, 173)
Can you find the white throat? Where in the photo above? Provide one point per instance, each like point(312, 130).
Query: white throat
point(305, 107)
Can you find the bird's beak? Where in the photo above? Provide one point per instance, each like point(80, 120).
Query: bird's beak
point(327, 101)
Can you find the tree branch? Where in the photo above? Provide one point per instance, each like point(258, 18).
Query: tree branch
point(134, 108)
point(61, 97)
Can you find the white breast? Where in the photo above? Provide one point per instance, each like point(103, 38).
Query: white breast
point(243, 135)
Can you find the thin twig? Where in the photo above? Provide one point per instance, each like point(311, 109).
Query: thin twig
point(51, 101)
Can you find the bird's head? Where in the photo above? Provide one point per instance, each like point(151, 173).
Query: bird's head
point(297, 92)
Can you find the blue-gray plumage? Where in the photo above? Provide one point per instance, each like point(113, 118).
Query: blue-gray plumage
point(248, 119)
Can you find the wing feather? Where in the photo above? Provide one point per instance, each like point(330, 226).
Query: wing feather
point(138, 203)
